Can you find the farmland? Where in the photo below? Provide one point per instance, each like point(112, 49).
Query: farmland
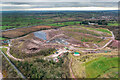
point(17, 20)
point(23, 19)
point(55, 18)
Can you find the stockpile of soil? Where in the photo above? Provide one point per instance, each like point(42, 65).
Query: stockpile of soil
point(115, 44)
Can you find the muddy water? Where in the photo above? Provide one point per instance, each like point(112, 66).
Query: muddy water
point(40, 34)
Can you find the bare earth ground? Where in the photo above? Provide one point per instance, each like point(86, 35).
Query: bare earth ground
point(22, 31)
point(30, 44)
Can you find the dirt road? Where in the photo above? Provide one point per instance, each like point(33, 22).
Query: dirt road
point(8, 53)
point(1, 76)
point(12, 65)
point(71, 69)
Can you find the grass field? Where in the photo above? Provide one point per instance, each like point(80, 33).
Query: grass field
point(110, 73)
point(99, 29)
point(65, 23)
point(99, 66)
point(103, 30)
point(113, 24)
point(6, 27)
point(95, 66)
point(1, 38)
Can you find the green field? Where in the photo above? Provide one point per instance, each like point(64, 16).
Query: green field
point(110, 73)
point(39, 23)
point(103, 30)
point(99, 29)
point(6, 27)
point(1, 38)
point(113, 24)
point(95, 66)
point(65, 23)
point(101, 65)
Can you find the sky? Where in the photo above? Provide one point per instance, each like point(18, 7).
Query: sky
point(43, 5)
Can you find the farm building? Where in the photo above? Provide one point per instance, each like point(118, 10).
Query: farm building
point(76, 54)
point(4, 42)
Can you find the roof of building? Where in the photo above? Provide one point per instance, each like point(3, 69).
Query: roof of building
point(76, 52)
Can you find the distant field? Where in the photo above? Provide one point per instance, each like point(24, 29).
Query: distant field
point(17, 20)
point(59, 24)
point(6, 27)
point(113, 24)
point(65, 23)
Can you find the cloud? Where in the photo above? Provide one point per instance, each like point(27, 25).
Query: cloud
point(46, 0)
point(105, 0)
point(60, 0)
point(9, 6)
point(64, 9)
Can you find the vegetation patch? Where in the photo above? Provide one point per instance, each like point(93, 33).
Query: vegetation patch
point(23, 55)
point(112, 73)
point(113, 24)
point(99, 66)
point(103, 30)
point(43, 69)
point(7, 70)
point(3, 49)
point(1, 38)
point(98, 29)
point(65, 23)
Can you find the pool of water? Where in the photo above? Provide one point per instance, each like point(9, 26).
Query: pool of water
point(40, 34)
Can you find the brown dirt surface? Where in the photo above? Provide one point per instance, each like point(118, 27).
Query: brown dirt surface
point(115, 44)
point(55, 39)
point(22, 31)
